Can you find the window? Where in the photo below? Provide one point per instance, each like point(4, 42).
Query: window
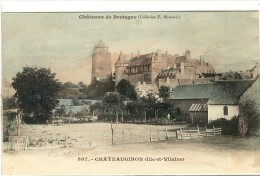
point(225, 110)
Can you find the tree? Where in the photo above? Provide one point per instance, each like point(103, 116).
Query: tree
point(36, 92)
point(249, 118)
point(126, 89)
point(61, 111)
point(70, 85)
point(9, 103)
point(164, 92)
point(82, 87)
point(113, 102)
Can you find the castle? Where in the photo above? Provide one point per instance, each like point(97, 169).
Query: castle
point(101, 62)
point(152, 68)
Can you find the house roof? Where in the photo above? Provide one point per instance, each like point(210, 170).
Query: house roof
point(142, 59)
point(199, 108)
point(192, 91)
point(228, 92)
point(220, 92)
point(121, 59)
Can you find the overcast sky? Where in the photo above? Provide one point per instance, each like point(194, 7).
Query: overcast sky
point(64, 43)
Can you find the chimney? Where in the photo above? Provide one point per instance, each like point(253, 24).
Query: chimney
point(187, 54)
point(138, 53)
point(182, 68)
point(159, 52)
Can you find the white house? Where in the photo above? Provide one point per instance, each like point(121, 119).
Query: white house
point(220, 99)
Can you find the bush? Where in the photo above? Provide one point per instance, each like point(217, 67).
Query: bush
point(228, 127)
point(249, 117)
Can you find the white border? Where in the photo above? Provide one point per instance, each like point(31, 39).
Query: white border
point(92, 6)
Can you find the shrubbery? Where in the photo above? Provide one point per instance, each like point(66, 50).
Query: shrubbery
point(228, 127)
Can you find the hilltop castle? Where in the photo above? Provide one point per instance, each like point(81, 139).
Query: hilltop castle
point(101, 62)
point(148, 69)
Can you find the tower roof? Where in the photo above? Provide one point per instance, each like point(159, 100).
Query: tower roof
point(121, 59)
point(101, 44)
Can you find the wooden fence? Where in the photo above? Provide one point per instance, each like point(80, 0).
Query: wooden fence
point(105, 137)
point(196, 133)
point(17, 143)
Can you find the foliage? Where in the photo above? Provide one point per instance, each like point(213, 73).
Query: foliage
point(9, 124)
point(82, 87)
point(70, 85)
point(126, 89)
point(75, 101)
point(9, 103)
point(228, 127)
point(97, 90)
point(164, 91)
point(249, 117)
point(36, 92)
point(61, 111)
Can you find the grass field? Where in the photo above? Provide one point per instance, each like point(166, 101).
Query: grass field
point(220, 154)
point(94, 134)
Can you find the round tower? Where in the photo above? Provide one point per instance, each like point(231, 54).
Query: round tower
point(120, 68)
point(101, 62)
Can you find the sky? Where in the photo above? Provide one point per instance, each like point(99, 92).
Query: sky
point(64, 42)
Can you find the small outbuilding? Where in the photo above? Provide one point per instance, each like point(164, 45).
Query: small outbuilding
point(211, 101)
point(199, 113)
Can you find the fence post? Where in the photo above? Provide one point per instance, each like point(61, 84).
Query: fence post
point(131, 136)
point(213, 130)
point(176, 134)
point(102, 142)
point(198, 131)
point(158, 134)
point(150, 135)
point(66, 140)
point(123, 136)
point(90, 138)
point(8, 143)
point(181, 133)
point(46, 142)
point(167, 136)
point(112, 131)
point(206, 131)
point(26, 142)
point(190, 133)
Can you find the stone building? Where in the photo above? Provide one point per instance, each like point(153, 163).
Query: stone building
point(143, 68)
point(101, 62)
point(121, 68)
point(186, 70)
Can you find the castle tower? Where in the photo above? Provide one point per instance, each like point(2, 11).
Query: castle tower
point(187, 54)
point(101, 62)
point(120, 68)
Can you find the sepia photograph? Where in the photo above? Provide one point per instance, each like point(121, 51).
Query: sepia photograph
point(135, 93)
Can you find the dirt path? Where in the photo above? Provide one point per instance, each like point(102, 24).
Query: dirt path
point(212, 155)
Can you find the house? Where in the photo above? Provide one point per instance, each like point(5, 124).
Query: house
point(203, 103)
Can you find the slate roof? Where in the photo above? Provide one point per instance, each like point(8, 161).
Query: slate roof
point(228, 92)
point(199, 108)
point(192, 91)
point(142, 59)
point(121, 59)
point(168, 72)
point(220, 92)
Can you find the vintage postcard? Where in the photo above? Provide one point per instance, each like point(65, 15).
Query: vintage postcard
point(173, 92)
